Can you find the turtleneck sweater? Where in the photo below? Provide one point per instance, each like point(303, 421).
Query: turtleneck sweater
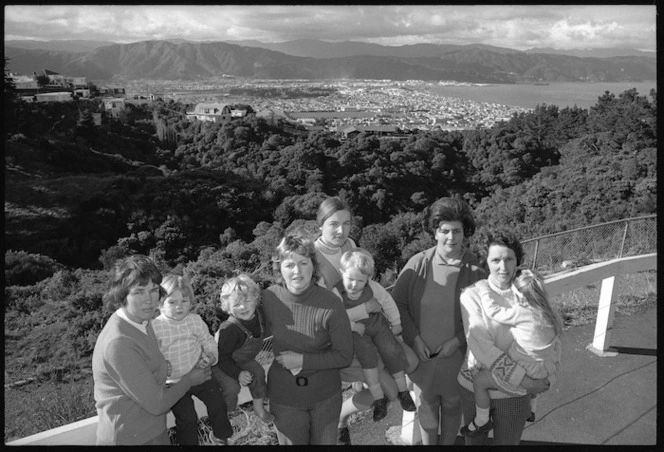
point(315, 324)
point(328, 259)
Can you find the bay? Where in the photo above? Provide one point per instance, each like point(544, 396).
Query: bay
point(562, 94)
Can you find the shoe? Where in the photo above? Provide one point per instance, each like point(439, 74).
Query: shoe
point(379, 409)
point(217, 441)
point(406, 401)
point(531, 418)
point(266, 417)
point(344, 437)
point(465, 431)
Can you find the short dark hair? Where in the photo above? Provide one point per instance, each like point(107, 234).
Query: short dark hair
point(294, 243)
point(508, 240)
point(449, 209)
point(127, 273)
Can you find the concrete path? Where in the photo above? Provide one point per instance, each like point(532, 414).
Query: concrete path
point(596, 401)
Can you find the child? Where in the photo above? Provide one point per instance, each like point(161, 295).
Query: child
point(239, 339)
point(536, 329)
point(185, 341)
point(355, 288)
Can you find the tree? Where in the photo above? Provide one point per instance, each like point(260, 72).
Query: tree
point(42, 80)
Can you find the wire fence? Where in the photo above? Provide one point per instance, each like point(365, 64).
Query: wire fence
point(591, 244)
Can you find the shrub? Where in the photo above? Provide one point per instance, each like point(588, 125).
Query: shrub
point(24, 269)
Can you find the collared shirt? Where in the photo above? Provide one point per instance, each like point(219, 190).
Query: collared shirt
point(142, 327)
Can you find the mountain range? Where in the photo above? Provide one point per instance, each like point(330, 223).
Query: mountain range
point(315, 59)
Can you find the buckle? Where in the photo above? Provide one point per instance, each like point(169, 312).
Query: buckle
point(301, 381)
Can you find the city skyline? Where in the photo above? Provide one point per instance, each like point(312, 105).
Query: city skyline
point(518, 27)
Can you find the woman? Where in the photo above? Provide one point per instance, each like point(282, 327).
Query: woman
point(311, 340)
point(128, 369)
point(427, 294)
point(334, 219)
point(488, 344)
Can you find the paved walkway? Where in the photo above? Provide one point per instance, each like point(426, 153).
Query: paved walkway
point(597, 400)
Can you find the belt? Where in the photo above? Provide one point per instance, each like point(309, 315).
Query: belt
point(301, 381)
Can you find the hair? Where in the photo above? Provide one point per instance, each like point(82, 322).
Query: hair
point(449, 209)
point(126, 273)
point(171, 283)
point(508, 240)
point(240, 287)
point(329, 207)
point(294, 243)
point(358, 258)
point(531, 286)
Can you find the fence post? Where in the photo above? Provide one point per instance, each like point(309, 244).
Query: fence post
point(622, 244)
point(604, 324)
point(534, 266)
point(410, 424)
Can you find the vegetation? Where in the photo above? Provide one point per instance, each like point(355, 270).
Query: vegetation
point(210, 200)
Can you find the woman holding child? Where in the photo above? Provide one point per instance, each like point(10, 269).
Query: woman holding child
point(490, 346)
point(128, 369)
point(311, 341)
point(427, 294)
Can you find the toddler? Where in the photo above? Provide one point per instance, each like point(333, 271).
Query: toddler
point(375, 334)
point(239, 340)
point(185, 341)
point(536, 329)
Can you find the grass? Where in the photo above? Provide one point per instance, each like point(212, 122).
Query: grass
point(50, 402)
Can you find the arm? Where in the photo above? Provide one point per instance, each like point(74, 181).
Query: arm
point(400, 294)
point(202, 333)
point(387, 302)
point(230, 339)
point(481, 344)
point(126, 365)
point(501, 314)
point(340, 352)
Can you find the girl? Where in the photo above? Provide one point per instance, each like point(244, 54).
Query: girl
point(536, 329)
point(376, 334)
point(240, 339)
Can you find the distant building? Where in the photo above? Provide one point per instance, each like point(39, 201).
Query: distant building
point(114, 106)
point(65, 96)
point(82, 92)
point(215, 112)
point(378, 130)
point(112, 91)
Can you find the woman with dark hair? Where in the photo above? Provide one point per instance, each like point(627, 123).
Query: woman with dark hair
point(489, 342)
point(128, 369)
point(311, 340)
point(427, 294)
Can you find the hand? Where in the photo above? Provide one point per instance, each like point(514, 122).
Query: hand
point(199, 376)
point(421, 349)
point(535, 386)
point(245, 378)
point(357, 327)
point(290, 360)
point(449, 347)
point(372, 306)
point(396, 330)
point(204, 361)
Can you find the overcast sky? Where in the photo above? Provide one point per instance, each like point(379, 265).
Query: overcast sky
point(514, 26)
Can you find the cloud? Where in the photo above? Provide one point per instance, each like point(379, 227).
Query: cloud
point(514, 26)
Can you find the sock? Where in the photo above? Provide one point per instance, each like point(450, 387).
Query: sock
point(376, 391)
point(481, 417)
point(533, 404)
point(400, 379)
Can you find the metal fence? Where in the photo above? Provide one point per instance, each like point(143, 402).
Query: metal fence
point(591, 244)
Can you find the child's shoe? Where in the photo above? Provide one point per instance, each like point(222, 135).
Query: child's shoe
point(531, 418)
point(217, 441)
point(266, 417)
point(344, 437)
point(406, 401)
point(379, 409)
point(465, 431)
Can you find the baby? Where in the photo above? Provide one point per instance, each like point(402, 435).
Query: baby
point(185, 341)
point(239, 340)
point(378, 335)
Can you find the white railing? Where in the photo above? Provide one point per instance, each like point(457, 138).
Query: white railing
point(561, 283)
point(84, 432)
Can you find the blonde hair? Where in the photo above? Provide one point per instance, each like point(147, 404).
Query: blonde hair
point(531, 287)
point(240, 287)
point(171, 283)
point(358, 258)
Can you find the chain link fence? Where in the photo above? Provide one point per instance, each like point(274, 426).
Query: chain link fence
point(570, 249)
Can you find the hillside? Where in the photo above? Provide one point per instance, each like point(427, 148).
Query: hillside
point(198, 60)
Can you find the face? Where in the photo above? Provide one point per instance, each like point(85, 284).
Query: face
point(354, 281)
point(297, 271)
point(502, 265)
point(336, 228)
point(142, 302)
point(176, 306)
point(243, 309)
point(449, 236)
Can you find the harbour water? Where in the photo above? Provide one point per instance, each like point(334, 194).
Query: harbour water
point(564, 94)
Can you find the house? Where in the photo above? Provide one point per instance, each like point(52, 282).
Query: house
point(63, 96)
point(378, 130)
point(112, 91)
point(207, 111)
point(82, 92)
point(114, 105)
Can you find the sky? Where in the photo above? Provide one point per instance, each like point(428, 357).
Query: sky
point(518, 27)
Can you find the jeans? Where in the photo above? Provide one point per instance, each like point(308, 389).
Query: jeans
point(186, 418)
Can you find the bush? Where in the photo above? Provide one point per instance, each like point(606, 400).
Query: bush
point(25, 269)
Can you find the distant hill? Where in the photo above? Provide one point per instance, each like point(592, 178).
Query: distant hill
point(593, 53)
point(188, 60)
point(74, 46)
